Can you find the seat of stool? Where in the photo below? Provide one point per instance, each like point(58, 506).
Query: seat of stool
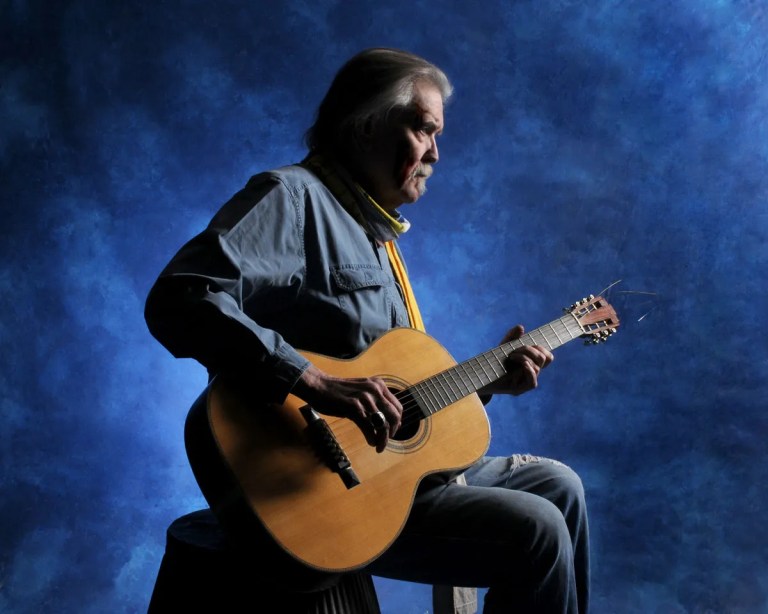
point(202, 571)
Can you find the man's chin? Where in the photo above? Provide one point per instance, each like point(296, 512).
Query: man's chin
point(415, 191)
point(411, 197)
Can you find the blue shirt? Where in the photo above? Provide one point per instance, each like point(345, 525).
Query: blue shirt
point(281, 266)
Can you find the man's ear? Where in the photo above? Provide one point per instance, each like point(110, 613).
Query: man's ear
point(368, 127)
point(365, 135)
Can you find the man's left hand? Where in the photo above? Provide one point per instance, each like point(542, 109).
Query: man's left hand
point(523, 367)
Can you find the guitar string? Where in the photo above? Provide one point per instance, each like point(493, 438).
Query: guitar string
point(412, 410)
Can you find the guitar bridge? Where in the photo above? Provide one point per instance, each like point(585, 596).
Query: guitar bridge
point(324, 443)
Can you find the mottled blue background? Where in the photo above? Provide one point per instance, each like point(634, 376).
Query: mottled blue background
point(588, 141)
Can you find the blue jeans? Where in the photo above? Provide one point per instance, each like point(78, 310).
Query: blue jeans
point(519, 527)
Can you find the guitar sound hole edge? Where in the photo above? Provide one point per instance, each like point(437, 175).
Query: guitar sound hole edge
point(413, 432)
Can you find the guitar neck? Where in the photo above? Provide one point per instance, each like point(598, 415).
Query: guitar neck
point(447, 387)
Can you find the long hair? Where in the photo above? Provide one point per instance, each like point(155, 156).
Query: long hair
point(366, 89)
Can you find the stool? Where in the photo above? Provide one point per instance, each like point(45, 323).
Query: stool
point(202, 571)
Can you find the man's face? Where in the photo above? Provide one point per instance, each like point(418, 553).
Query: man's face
point(399, 159)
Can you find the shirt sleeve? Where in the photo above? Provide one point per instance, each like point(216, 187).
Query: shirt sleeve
point(208, 301)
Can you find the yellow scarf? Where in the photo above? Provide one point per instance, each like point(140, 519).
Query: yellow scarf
point(401, 275)
point(373, 219)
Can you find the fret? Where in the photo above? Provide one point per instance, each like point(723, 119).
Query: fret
point(492, 367)
point(431, 404)
point(570, 322)
point(445, 387)
point(486, 362)
point(563, 322)
point(438, 390)
point(554, 331)
point(473, 376)
point(459, 382)
point(494, 352)
point(409, 397)
point(413, 391)
point(544, 337)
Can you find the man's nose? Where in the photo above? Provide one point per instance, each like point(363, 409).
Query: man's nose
point(432, 155)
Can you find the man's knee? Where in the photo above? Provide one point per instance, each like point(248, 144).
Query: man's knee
point(568, 483)
point(554, 480)
point(550, 535)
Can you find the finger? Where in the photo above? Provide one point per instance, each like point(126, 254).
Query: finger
point(381, 432)
point(393, 410)
point(388, 404)
point(527, 371)
point(524, 355)
point(533, 371)
point(374, 429)
point(530, 378)
point(539, 355)
point(513, 333)
point(380, 413)
point(546, 357)
point(363, 421)
point(365, 408)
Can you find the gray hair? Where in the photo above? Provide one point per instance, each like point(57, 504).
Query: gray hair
point(365, 91)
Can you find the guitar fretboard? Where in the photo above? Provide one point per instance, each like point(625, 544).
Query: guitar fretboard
point(447, 387)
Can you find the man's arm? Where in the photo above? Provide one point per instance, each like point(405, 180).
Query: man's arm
point(196, 308)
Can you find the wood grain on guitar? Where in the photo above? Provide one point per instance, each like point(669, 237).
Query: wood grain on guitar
point(298, 494)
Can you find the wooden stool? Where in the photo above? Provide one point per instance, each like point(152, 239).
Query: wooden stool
point(202, 571)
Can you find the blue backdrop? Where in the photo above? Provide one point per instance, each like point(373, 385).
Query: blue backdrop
point(588, 141)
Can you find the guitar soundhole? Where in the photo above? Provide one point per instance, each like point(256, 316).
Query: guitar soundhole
point(411, 422)
point(407, 431)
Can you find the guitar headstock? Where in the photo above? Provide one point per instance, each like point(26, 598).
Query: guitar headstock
point(596, 318)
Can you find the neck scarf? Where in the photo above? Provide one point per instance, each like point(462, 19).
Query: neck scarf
point(380, 224)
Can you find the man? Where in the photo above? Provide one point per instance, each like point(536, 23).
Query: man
point(304, 257)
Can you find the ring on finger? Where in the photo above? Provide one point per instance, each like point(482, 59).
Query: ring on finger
point(378, 420)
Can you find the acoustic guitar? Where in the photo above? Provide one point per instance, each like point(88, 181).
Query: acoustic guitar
point(322, 493)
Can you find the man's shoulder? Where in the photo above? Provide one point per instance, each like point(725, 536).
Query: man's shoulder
point(294, 177)
point(279, 196)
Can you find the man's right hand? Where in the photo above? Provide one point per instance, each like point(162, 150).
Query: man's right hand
point(359, 399)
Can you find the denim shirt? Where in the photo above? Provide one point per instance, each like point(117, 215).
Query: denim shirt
point(281, 266)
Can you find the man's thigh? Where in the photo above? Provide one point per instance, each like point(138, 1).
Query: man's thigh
point(538, 475)
point(473, 535)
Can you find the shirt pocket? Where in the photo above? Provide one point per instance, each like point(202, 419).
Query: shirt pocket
point(364, 296)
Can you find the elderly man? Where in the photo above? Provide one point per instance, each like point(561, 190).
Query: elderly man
point(305, 257)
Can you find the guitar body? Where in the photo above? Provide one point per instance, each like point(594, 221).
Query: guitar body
point(264, 457)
